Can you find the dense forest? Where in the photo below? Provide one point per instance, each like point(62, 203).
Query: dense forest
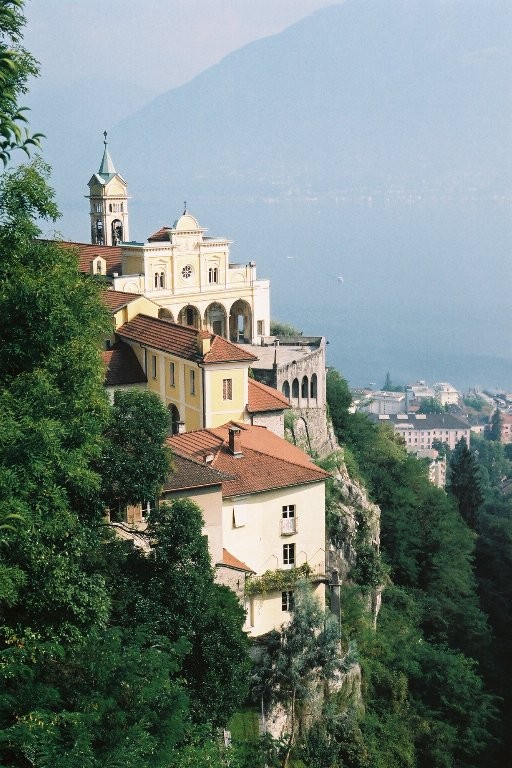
point(114, 656)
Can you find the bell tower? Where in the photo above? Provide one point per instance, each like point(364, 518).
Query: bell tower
point(108, 197)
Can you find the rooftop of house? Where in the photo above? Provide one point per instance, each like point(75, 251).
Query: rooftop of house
point(230, 561)
point(122, 366)
point(87, 253)
point(261, 461)
point(116, 300)
point(263, 398)
point(182, 341)
point(422, 420)
point(188, 473)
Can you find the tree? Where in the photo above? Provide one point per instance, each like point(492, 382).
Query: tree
point(496, 426)
point(306, 653)
point(464, 482)
point(16, 66)
point(431, 405)
point(278, 328)
point(134, 462)
point(173, 593)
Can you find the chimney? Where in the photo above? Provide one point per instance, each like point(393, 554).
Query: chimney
point(235, 442)
point(181, 427)
point(204, 343)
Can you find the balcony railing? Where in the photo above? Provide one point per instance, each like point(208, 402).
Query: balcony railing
point(288, 526)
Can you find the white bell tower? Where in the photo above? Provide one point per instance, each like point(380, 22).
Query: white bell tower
point(108, 196)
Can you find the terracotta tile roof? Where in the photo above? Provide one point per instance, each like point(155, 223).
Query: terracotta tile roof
point(188, 473)
point(116, 300)
point(223, 351)
point(163, 234)
point(181, 340)
point(122, 366)
point(87, 252)
point(263, 398)
point(267, 461)
point(231, 561)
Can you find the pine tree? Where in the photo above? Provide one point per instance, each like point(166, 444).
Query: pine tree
point(464, 482)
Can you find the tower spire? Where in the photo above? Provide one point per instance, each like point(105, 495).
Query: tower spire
point(107, 166)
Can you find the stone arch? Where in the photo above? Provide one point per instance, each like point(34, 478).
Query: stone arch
point(313, 392)
point(286, 389)
point(190, 315)
point(116, 231)
point(215, 319)
point(166, 314)
point(240, 322)
point(174, 419)
point(304, 389)
point(295, 392)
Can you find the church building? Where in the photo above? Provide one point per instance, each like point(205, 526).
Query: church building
point(180, 268)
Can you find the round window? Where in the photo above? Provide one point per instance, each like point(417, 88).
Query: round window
point(186, 272)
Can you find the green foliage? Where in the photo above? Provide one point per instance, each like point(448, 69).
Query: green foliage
point(304, 653)
point(277, 581)
point(464, 482)
point(388, 385)
point(278, 328)
point(173, 593)
point(134, 462)
point(425, 700)
point(16, 66)
point(431, 405)
point(475, 402)
point(496, 426)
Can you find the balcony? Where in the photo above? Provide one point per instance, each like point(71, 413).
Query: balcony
point(288, 526)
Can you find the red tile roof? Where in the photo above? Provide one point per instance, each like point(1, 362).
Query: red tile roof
point(87, 253)
point(181, 340)
point(116, 300)
point(164, 233)
point(263, 398)
point(267, 461)
point(223, 351)
point(231, 561)
point(187, 473)
point(122, 366)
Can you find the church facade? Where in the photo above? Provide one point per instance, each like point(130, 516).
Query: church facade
point(187, 273)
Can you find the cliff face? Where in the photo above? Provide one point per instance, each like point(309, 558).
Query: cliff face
point(353, 565)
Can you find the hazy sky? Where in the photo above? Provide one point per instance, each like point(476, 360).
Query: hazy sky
point(155, 44)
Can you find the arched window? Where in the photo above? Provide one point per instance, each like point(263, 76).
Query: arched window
point(286, 389)
point(304, 390)
point(213, 275)
point(98, 267)
point(162, 279)
point(295, 388)
point(156, 279)
point(314, 387)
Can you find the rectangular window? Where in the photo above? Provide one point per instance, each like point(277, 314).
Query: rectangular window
point(289, 554)
point(153, 366)
point(287, 601)
point(227, 389)
point(192, 382)
point(261, 327)
point(288, 520)
point(172, 374)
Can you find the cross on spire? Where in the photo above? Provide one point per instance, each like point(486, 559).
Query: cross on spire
point(105, 138)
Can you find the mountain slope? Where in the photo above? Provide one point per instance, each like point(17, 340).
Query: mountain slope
point(360, 96)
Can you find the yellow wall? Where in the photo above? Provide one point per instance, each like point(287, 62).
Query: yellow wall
point(218, 410)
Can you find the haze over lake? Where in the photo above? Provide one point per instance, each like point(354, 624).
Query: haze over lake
point(369, 141)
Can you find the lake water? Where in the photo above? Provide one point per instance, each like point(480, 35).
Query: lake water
point(426, 291)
